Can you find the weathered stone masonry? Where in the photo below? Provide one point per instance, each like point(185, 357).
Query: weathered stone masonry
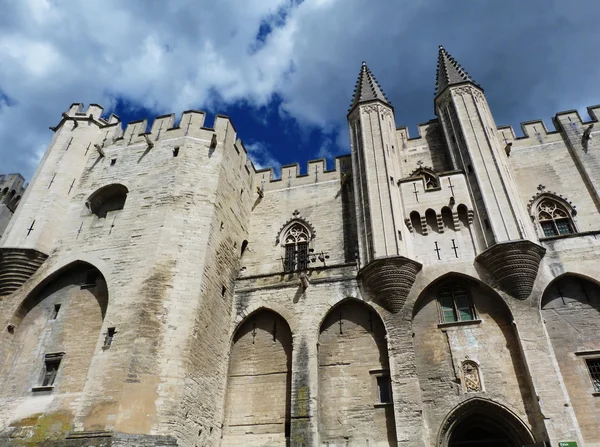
point(158, 290)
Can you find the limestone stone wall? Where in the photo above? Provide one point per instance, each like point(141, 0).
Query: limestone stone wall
point(352, 355)
point(257, 409)
point(570, 308)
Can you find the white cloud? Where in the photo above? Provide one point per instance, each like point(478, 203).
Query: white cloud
point(170, 56)
point(262, 157)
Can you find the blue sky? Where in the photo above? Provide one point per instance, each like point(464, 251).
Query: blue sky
point(284, 70)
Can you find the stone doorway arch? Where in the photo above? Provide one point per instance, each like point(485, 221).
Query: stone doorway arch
point(480, 422)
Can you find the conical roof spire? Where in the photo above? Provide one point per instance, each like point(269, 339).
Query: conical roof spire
point(449, 72)
point(367, 88)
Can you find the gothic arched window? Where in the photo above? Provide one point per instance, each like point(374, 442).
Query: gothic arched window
point(296, 248)
point(431, 181)
point(554, 217)
point(455, 303)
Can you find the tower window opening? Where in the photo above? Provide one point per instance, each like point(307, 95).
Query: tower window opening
point(175, 151)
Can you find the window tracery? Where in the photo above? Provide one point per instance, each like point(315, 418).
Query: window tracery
point(295, 242)
point(431, 181)
point(554, 218)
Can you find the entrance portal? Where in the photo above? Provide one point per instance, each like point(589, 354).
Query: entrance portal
point(479, 422)
point(479, 431)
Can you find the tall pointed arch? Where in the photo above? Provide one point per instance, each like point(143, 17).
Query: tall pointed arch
point(258, 400)
point(479, 421)
point(55, 332)
point(355, 396)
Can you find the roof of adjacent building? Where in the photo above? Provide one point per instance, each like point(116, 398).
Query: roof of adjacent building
point(449, 72)
point(367, 88)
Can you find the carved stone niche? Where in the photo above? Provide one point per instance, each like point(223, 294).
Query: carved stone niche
point(389, 280)
point(513, 265)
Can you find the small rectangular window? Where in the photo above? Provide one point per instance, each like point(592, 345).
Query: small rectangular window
point(384, 389)
point(594, 369)
point(289, 261)
point(447, 305)
point(51, 365)
point(176, 152)
point(113, 162)
point(302, 255)
point(110, 334)
point(55, 311)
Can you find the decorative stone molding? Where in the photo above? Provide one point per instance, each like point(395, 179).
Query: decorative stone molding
point(513, 265)
point(389, 280)
point(290, 222)
point(17, 265)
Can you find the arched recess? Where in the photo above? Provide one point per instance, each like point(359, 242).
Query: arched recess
point(55, 330)
point(571, 311)
point(106, 199)
point(481, 422)
point(257, 407)
point(355, 397)
point(472, 323)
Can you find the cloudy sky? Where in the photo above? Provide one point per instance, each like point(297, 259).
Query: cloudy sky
point(284, 70)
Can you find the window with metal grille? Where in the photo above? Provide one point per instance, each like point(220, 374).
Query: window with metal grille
point(554, 218)
point(296, 256)
point(594, 369)
point(455, 303)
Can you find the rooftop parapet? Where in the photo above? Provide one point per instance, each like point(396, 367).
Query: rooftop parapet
point(537, 128)
point(422, 130)
point(291, 176)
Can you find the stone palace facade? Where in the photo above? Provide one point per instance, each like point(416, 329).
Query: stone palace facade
point(439, 290)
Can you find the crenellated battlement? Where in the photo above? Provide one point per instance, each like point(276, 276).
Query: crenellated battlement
point(423, 129)
point(536, 129)
point(291, 175)
point(162, 128)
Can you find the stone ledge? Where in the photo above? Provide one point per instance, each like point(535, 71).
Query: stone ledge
point(475, 322)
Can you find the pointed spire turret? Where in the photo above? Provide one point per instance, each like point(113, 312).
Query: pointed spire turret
point(449, 72)
point(367, 88)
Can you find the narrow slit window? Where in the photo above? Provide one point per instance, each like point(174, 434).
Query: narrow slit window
point(175, 152)
point(384, 389)
point(51, 365)
point(110, 335)
point(55, 311)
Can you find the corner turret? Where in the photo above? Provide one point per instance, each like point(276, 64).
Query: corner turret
point(386, 274)
point(503, 228)
point(367, 89)
point(450, 73)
